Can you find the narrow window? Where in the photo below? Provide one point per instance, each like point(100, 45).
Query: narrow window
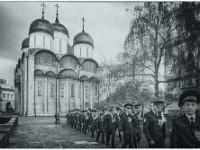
point(72, 90)
point(62, 90)
point(86, 91)
point(43, 41)
point(79, 91)
point(96, 89)
point(52, 90)
point(39, 89)
point(4, 95)
point(80, 51)
point(87, 51)
point(7, 96)
point(34, 41)
point(60, 44)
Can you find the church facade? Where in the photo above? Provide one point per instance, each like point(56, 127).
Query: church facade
point(52, 76)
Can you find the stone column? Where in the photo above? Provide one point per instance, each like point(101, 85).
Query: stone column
point(91, 94)
point(24, 100)
point(30, 108)
point(45, 95)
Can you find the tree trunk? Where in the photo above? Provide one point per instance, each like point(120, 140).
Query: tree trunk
point(156, 85)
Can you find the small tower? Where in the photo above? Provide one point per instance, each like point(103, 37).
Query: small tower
point(83, 43)
point(41, 33)
point(61, 36)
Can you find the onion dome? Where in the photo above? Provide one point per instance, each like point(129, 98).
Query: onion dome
point(25, 43)
point(83, 38)
point(41, 25)
point(59, 27)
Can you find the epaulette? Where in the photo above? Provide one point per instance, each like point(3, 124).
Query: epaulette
point(177, 116)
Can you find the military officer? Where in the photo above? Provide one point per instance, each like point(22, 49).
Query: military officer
point(110, 123)
point(154, 125)
point(128, 126)
point(185, 131)
point(93, 121)
point(138, 118)
point(100, 127)
point(118, 113)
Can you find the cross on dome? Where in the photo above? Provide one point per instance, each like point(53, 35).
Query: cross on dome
point(57, 6)
point(43, 6)
point(83, 19)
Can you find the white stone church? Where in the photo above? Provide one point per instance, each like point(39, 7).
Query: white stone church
point(52, 76)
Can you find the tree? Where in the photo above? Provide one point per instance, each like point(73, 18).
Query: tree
point(146, 42)
point(188, 23)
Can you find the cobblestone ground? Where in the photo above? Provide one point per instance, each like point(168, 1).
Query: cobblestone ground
point(42, 132)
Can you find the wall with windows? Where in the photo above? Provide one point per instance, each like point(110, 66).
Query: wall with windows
point(60, 43)
point(41, 40)
point(40, 95)
point(83, 50)
point(6, 96)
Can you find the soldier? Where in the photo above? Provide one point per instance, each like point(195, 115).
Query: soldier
point(86, 122)
point(100, 127)
point(118, 113)
point(79, 120)
point(154, 126)
point(110, 123)
point(127, 125)
point(138, 117)
point(93, 121)
point(185, 131)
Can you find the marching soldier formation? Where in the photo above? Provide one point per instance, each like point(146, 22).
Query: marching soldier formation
point(127, 124)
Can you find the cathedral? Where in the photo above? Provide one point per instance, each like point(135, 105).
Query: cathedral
point(53, 76)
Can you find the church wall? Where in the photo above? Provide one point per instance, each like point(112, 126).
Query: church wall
point(60, 43)
point(40, 40)
point(30, 105)
point(24, 100)
point(40, 96)
point(51, 96)
point(63, 96)
point(83, 50)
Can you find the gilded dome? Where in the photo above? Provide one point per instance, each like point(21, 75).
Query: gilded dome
point(60, 28)
point(82, 38)
point(41, 25)
point(25, 43)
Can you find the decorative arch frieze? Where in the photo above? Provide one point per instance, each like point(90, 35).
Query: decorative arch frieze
point(84, 77)
point(89, 65)
point(45, 58)
point(68, 73)
point(69, 62)
point(39, 73)
point(50, 74)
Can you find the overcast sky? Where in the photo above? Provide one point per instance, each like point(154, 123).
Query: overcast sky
point(107, 23)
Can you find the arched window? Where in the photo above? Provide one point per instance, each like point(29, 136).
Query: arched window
point(87, 51)
point(60, 45)
point(34, 41)
point(62, 90)
point(52, 90)
point(72, 90)
point(43, 41)
point(80, 51)
point(39, 89)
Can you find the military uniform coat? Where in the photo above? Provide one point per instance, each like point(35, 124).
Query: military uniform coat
point(152, 130)
point(182, 133)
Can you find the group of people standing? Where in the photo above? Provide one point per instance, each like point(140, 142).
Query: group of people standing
point(108, 124)
point(127, 124)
